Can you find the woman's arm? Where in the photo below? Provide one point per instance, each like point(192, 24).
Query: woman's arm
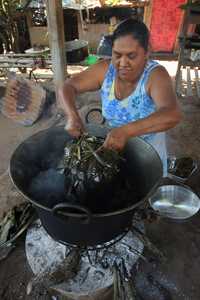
point(88, 80)
point(166, 116)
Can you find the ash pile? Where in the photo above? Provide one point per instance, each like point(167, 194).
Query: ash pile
point(76, 272)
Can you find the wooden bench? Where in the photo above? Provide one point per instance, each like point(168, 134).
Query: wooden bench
point(24, 62)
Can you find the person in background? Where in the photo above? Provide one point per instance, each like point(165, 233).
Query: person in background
point(136, 93)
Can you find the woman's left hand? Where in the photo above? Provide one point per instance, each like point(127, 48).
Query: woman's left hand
point(116, 139)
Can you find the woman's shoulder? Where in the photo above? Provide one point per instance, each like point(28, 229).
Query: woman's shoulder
point(158, 72)
point(100, 69)
point(103, 65)
point(159, 75)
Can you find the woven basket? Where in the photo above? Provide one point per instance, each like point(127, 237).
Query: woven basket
point(24, 100)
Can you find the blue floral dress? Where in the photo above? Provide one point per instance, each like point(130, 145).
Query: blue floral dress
point(136, 106)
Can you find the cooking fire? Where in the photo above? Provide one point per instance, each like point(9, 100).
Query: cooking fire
point(87, 226)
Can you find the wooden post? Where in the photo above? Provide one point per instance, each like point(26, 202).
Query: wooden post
point(57, 41)
point(148, 13)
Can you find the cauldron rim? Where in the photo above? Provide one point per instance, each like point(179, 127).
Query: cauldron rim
point(79, 215)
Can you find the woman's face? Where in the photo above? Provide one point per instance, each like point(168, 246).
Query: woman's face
point(128, 57)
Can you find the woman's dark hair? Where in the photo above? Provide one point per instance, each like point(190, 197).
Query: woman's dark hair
point(137, 29)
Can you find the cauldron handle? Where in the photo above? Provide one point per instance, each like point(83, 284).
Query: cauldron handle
point(61, 209)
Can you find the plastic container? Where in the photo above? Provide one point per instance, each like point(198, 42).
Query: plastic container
point(91, 60)
point(105, 46)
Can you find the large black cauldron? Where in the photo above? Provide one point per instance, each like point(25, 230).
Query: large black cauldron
point(79, 227)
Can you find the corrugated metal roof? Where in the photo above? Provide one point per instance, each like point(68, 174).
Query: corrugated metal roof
point(82, 4)
point(73, 4)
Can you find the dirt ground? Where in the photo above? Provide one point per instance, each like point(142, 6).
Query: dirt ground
point(181, 242)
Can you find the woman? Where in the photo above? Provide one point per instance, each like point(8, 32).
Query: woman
point(137, 94)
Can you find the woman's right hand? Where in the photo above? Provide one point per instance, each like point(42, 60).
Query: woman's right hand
point(75, 126)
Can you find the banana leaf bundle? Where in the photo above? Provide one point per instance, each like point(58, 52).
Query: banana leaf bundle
point(14, 223)
point(90, 170)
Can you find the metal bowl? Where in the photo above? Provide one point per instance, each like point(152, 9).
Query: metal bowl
point(174, 164)
point(175, 202)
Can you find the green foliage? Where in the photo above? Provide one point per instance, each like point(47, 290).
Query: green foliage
point(8, 25)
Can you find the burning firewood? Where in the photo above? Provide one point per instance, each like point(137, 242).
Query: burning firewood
point(123, 285)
